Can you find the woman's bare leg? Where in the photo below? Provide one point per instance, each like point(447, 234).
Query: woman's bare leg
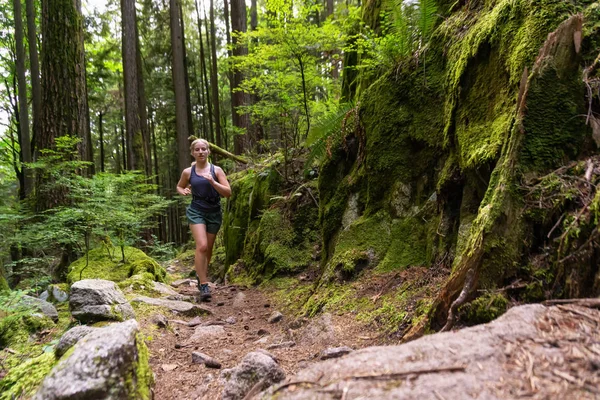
point(201, 256)
point(210, 244)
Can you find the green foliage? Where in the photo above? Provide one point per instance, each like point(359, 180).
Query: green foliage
point(298, 85)
point(485, 308)
point(406, 28)
point(328, 129)
point(110, 208)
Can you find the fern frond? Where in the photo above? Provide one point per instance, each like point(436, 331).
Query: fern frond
point(324, 130)
point(427, 16)
point(328, 122)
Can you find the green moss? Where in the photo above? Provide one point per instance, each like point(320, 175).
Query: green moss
point(141, 379)
point(251, 193)
point(23, 380)
point(3, 284)
point(139, 283)
point(288, 293)
point(409, 245)
point(103, 266)
point(484, 308)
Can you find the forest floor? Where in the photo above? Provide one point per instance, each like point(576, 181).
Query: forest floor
point(248, 329)
point(532, 351)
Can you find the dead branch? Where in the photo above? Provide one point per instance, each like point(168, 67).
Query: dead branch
point(460, 299)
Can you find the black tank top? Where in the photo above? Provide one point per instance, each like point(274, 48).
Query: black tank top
point(205, 197)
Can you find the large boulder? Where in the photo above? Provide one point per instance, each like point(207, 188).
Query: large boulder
point(98, 300)
point(55, 294)
point(255, 367)
point(526, 352)
point(109, 363)
point(40, 305)
point(71, 337)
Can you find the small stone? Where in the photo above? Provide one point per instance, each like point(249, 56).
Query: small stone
point(195, 322)
point(213, 323)
point(281, 345)
point(262, 332)
point(267, 353)
point(201, 358)
point(179, 321)
point(262, 340)
point(231, 320)
point(180, 282)
point(204, 333)
point(168, 367)
point(160, 320)
point(334, 352)
point(240, 300)
point(275, 317)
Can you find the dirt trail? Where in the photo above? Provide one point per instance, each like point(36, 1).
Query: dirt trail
point(177, 377)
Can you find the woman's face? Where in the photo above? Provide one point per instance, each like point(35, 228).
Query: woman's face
point(200, 150)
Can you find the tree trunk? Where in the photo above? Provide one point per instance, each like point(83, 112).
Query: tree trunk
point(239, 98)
point(24, 141)
point(214, 82)
point(101, 134)
point(63, 86)
point(133, 128)
point(186, 74)
point(206, 102)
point(253, 16)
point(117, 151)
point(178, 71)
point(142, 106)
point(34, 66)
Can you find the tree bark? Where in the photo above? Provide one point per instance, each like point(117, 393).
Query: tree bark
point(64, 103)
point(238, 97)
point(24, 140)
point(178, 71)
point(214, 83)
point(133, 125)
point(186, 75)
point(142, 106)
point(206, 103)
point(34, 66)
point(101, 134)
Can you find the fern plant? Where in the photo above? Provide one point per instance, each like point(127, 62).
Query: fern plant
point(324, 131)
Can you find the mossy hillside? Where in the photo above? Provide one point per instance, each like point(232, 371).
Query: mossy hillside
point(403, 132)
point(103, 265)
point(251, 193)
point(282, 242)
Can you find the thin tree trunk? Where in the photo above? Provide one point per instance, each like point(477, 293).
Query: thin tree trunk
point(214, 82)
point(253, 16)
point(101, 134)
point(142, 106)
point(206, 102)
point(123, 146)
point(301, 63)
point(178, 72)
point(186, 74)
point(24, 141)
point(34, 66)
point(239, 98)
point(86, 150)
point(118, 155)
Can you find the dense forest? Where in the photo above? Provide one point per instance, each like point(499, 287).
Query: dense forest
point(417, 165)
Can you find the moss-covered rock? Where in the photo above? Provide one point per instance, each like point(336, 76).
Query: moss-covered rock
point(485, 308)
point(23, 381)
point(105, 264)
